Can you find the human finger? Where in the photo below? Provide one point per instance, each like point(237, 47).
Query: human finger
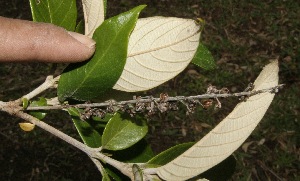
point(22, 40)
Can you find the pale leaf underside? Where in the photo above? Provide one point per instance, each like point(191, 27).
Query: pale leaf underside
point(93, 15)
point(227, 136)
point(159, 49)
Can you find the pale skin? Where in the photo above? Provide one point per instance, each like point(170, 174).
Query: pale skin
point(26, 41)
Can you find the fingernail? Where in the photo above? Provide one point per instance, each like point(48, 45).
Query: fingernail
point(90, 43)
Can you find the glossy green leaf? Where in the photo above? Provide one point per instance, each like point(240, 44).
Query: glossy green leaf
point(203, 58)
point(143, 153)
point(88, 130)
point(58, 12)
point(25, 103)
point(140, 152)
point(115, 174)
point(38, 114)
point(105, 176)
point(80, 27)
point(170, 154)
point(123, 131)
point(89, 80)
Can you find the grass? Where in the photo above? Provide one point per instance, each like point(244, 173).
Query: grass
point(243, 36)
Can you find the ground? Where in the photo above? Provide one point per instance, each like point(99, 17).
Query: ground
point(242, 36)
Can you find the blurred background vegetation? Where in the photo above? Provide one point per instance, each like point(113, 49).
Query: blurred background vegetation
point(243, 36)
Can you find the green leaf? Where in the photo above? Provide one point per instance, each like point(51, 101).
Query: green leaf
point(105, 176)
point(38, 114)
point(123, 131)
point(115, 174)
point(89, 80)
point(88, 130)
point(80, 27)
point(140, 152)
point(58, 12)
point(170, 154)
point(105, 6)
point(25, 103)
point(203, 58)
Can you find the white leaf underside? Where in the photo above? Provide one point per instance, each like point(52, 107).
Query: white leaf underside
point(159, 48)
point(93, 15)
point(228, 135)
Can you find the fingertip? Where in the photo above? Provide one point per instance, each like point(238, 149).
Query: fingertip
point(85, 40)
point(23, 41)
point(83, 48)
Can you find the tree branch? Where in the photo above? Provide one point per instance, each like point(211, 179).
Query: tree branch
point(14, 109)
point(150, 99)
point(50, 82)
